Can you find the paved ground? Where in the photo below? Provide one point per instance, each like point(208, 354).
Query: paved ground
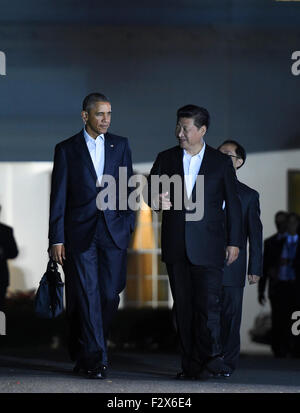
point(36, 371)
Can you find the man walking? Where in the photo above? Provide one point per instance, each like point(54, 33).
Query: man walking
point(90, 242)
point(281, 270)
point(234, 275)
point(195, 250)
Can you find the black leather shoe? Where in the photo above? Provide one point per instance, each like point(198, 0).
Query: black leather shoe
point(225, 374)
point(104, 371)
point(217, 367)
point(184, 376)
point(98, 373)
point(215, 364)
point(205, 374)
point(77, 369)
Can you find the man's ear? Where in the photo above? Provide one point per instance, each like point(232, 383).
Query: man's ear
point(203, 129)
point(239, 162)
point(84, 116)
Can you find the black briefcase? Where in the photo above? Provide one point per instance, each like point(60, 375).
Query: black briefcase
point(49, 296)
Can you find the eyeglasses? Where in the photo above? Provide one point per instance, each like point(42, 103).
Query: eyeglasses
point(233, 156)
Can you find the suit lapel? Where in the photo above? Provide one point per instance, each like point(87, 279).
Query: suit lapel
point(178, 161)
point(110, 148)
point(83, 152)
point(205, 167)
point(206, 161)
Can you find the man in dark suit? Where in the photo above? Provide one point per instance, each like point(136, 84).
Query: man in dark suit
point(281, 269)
point(87, 239)
point(8, 250)
point(234, 275)
point(195, 250)
point(272, 247)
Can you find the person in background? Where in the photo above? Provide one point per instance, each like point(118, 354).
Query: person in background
point(235, 274)
point(8, 250)
point(281, 270)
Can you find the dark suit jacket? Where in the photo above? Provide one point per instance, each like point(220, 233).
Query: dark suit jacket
point(271, 265)
point(73, 209)
point(234, 274)
point(10, 250)
point(203, 241)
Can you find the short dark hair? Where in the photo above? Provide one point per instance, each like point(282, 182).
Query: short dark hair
point(293, 215)
point(200, 115)
point(240, 151)
point(91, 99)
point(283, 213)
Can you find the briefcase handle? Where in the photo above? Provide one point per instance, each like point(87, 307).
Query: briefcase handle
point(52, 265)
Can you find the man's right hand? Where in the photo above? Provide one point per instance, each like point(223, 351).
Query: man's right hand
point(232, 254)
point(57, 253)
point(161, 202)
point(164, 201)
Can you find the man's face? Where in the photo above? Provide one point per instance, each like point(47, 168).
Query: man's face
point(292, 225)
point(281, 223)
point(188, 135)
point(230, 149)
point(98, 118)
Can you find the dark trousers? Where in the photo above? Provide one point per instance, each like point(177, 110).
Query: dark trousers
point(231, 316)
point(196, 292)
point(3, 288)
point(94, 280)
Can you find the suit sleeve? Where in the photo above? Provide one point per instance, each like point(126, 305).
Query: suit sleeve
point(255, 236)
point(233, 207)
point(127, 162)
point(263, 280)
point(58, 197)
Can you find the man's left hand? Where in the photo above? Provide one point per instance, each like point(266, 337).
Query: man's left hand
point(231, 254)
point(253, 279)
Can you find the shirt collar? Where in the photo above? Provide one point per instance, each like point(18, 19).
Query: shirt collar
point(293, 238)
point(88, 137)
point(199, 154)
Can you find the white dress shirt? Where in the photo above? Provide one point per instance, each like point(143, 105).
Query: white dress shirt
point(191, 167)
point(97, 152)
